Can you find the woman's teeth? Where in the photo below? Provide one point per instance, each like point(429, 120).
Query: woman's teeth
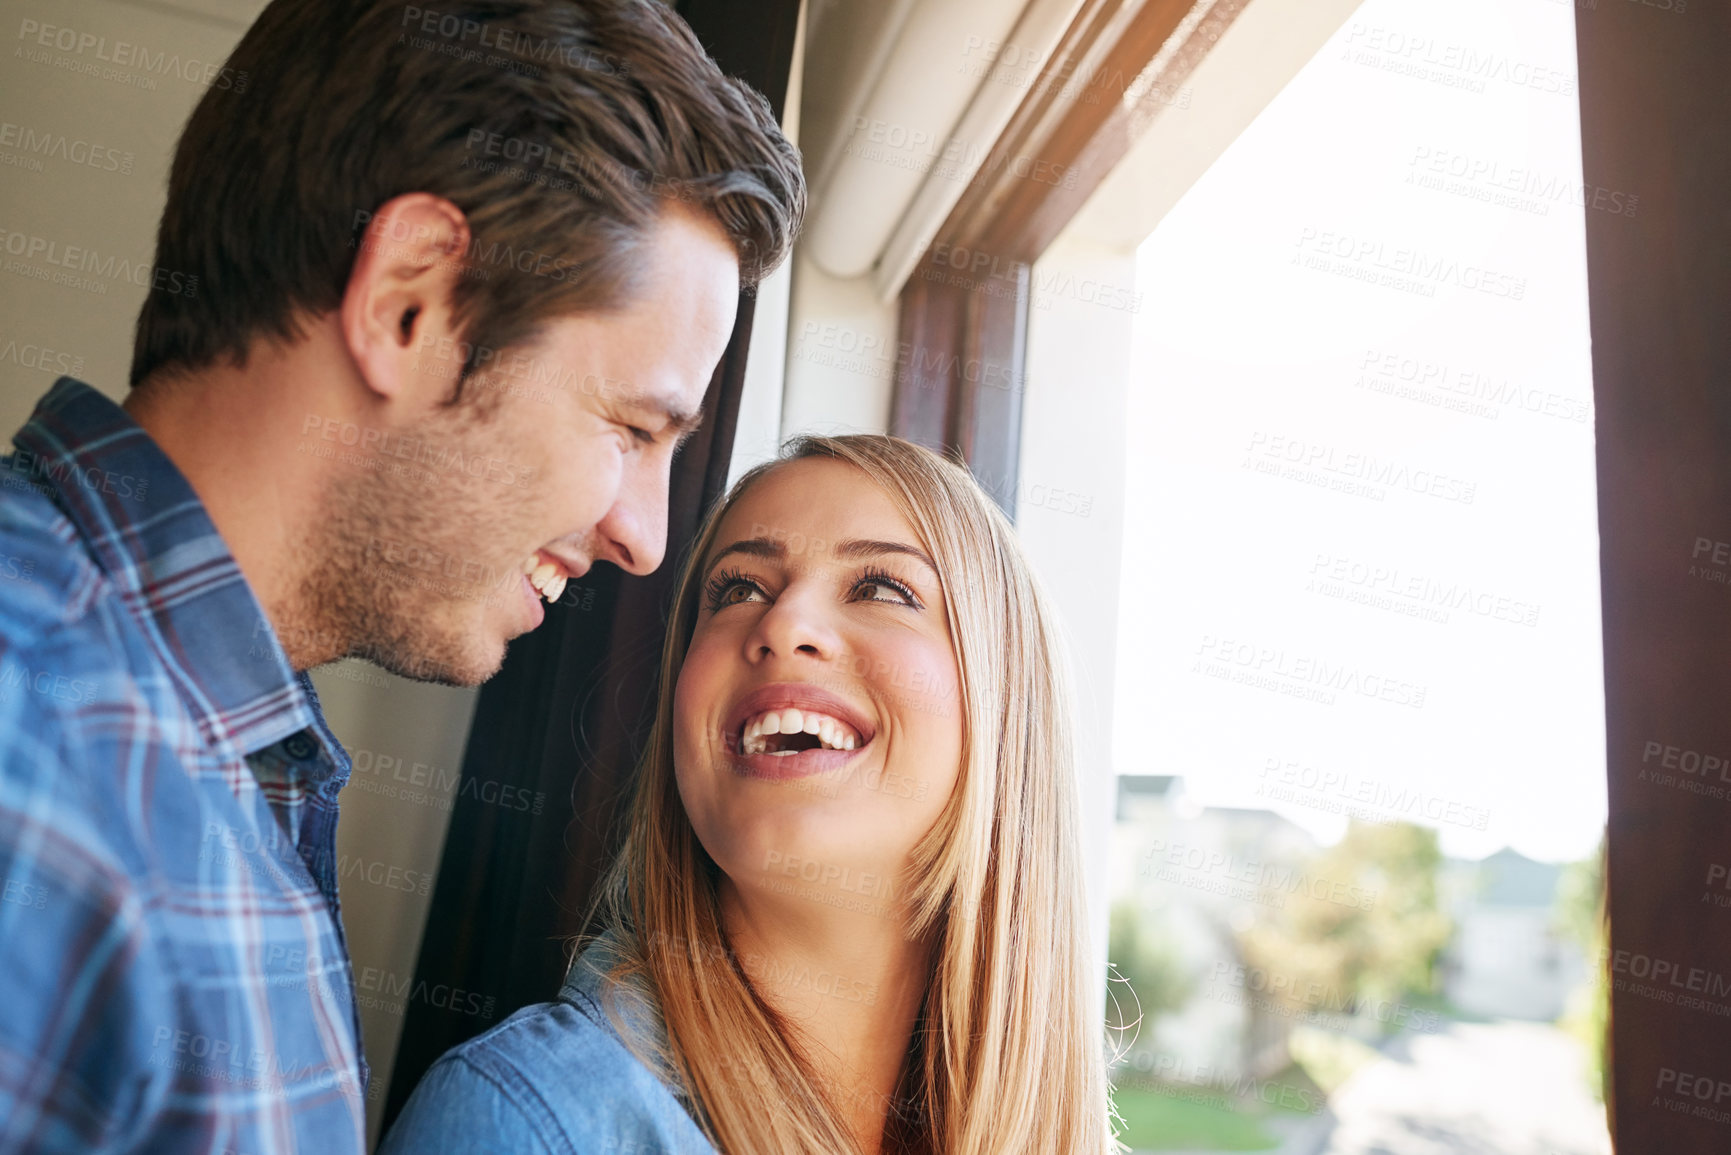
point(545, 577)
point(762, 734)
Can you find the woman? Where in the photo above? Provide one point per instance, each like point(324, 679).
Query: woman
point(848, 915)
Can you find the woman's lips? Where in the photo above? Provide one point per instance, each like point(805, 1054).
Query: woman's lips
point(800, 764)
point(801, 712)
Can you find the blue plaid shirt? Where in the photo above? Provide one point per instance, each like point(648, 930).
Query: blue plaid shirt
point(176, 977)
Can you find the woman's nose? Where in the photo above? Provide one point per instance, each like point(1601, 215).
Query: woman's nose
point(798, 623)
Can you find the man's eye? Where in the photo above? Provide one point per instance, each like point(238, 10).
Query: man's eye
point(643, 436)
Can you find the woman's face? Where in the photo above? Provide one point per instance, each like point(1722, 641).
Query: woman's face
point(817, 728)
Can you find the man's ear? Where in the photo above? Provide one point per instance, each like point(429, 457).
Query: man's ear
point(399, 290)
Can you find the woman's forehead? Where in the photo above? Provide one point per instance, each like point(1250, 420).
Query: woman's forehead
point(815, 495)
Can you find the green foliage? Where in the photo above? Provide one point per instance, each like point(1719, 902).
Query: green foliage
point(1359, 922)
point(1579, 914)
point(1143, 959)
point(1580, 907)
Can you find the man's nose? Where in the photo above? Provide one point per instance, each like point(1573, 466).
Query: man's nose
point(633, 534)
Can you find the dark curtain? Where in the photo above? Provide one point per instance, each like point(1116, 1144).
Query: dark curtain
point(562, 721)
point(1656, 154)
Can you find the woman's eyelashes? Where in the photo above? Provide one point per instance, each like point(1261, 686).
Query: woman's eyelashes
point(726, 589)
point(733, 588)
point(880, 583)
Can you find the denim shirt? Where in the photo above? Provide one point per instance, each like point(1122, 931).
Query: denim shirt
point(553, 1079)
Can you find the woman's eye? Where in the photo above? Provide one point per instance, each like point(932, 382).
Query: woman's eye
point(884, 589)
point(737, 593)
point(731, 590)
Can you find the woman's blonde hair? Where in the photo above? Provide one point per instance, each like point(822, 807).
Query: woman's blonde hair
point(1007, 1055)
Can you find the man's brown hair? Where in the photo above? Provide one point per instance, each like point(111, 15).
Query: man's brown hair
point(561, 129)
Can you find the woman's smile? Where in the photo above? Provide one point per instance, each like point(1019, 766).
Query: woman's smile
point(794, 730)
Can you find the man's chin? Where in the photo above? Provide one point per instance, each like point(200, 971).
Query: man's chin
point(467, 665)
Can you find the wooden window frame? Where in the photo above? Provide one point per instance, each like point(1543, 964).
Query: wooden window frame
point(963, 322)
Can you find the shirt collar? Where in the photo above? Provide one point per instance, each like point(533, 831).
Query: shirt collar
point(624, 998)
point(150, 534)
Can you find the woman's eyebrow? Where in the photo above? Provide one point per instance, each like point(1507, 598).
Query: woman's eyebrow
point(750, 547)
point(860, 548)
point(854, 549)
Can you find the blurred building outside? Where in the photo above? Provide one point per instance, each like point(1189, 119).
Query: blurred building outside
point(1264, 984)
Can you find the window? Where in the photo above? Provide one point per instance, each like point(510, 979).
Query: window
point(1357, 720)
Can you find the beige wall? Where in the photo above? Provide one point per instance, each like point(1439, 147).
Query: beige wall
point(407, 738)
point(133, 116)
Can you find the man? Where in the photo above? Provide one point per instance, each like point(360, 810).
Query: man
point(436, 296)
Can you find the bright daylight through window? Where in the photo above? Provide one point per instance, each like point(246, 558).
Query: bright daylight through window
point(1360, 721)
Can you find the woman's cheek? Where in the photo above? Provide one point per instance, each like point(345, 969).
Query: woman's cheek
point(931, 720)
point(694, 699)
point(702, 671)
point(685, 687)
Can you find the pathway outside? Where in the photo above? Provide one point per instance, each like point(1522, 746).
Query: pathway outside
point(1496, 1088)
